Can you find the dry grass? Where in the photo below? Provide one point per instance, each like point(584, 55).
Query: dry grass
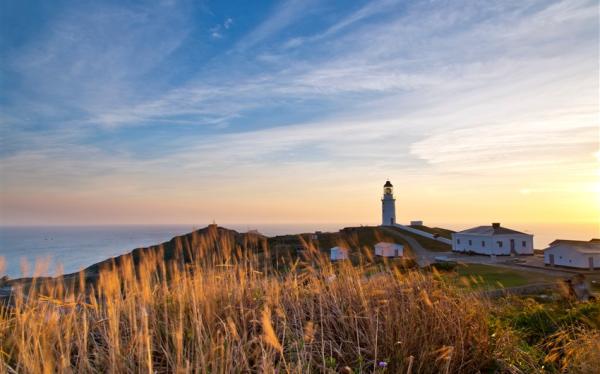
point(575, 351)
point(224, 310)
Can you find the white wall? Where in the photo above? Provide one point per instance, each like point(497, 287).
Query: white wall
point(389, 250)
point(338, 254)
point(388, 210)
point(489, 244)
point(566, 255)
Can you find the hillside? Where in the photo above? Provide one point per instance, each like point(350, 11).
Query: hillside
point(213, 240)
point(359, 240)
point(204, 243)
point(280, 249)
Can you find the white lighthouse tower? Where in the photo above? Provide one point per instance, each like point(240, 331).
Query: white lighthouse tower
point(388, 205)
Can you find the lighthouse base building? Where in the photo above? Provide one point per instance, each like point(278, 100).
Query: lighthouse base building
point(492, 240)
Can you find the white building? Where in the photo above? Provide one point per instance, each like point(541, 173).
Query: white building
point(388, 205)
point(573, 253)
point(389, 249)
point(338, 253)
point(493, 240)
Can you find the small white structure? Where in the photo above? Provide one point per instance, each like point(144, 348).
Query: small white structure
point(388, 205)
point(573, 253)
point(338, 253)
point(389, 249)
point(493, 240)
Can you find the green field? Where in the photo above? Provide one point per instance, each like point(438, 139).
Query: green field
point(489, 276)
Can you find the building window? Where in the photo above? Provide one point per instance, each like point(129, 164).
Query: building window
point(482, 243)
point(457, 241)
point(470, 242)
point(524, 244)
point(500, 244)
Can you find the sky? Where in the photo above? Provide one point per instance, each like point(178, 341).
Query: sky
point(123, 112)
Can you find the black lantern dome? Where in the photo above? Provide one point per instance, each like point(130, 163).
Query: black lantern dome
point(388, 188)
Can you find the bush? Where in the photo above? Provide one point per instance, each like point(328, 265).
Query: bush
point(556, 335)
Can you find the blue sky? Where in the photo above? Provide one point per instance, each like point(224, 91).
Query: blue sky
point(175, 111)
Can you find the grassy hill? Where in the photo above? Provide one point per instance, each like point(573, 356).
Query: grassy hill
point(278, 251)
point(202, 244)
point(359, 240)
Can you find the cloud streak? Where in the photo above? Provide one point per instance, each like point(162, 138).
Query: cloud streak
point(474, 94)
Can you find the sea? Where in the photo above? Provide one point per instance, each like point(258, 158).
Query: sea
point(55, 250)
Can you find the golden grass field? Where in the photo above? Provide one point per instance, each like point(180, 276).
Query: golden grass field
point(226, 310)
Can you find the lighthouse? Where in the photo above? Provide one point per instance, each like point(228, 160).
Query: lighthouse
point(388, 205)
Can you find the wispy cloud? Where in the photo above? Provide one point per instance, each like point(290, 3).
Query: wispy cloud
point(371, 60)
point(284, 14)
point(370, 9)
point(92, 58)
point(217, 30)
point(506, 90)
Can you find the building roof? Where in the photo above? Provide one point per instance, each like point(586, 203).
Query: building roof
point(581, 246)
point(387, 244)
point(575, 242)
point(494, 229)
point(338, 249)
point(388, 184)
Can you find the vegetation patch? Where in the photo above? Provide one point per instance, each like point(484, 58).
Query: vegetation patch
point(489, 276)
point(553, 334)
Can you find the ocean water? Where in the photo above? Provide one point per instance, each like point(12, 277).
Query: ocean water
point(54, 250)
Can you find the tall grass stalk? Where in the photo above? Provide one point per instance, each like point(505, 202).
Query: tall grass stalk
point(217, 306)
